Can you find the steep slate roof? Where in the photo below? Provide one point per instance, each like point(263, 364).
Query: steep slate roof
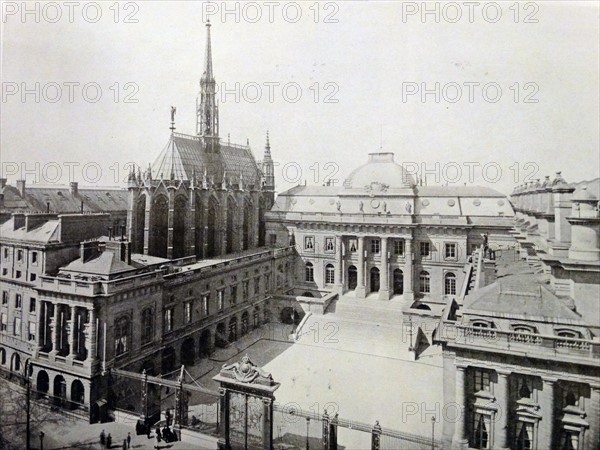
point(62, 200)
point(185, 154)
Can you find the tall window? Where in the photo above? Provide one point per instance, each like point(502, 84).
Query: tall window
point(245, 290)
point(19, 255)
point(187, 312)
point(267, 282)
point(34, 257)
point(168, 320)
point(524, 436)
point(257, 285)
point(450, 284)
point(424, 282)
point(18, 301)
point(309, 272)
point(481, 380)
point(352, 245)
point(5, 297)
point(375, 245)
point(220, 299)
point(3, 322)
point(5, 253)
point(147, 325)
point(31, 333)
point(233, 296)
point(17, 328)
point(329, 244)
point(481, 428)
point(121, 336)
point(450, 250)
point(424, 249)
point(309, 243)
point(329, 274)
point(399, 247)
point(205, 304)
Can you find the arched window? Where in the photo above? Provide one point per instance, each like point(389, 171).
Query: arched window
point(147, 325)
point(329, 274)
point(524, 329)
point(424, 282)
point(309, 272)
point(121, 336)
point(2, 356)
point(567, 333)
point(450, 284)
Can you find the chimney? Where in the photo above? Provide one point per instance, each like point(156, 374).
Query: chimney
point(88, 250)
point(35, 220)
point(122, 249)
point(73, 188)
point(2, 183)
point(21, 187)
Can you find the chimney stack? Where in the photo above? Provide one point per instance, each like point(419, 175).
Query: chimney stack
point(73, 187)
point(21, 187)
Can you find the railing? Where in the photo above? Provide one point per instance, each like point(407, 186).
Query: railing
point(90, 288)
point(530, 342)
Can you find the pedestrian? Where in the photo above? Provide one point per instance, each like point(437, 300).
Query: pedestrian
point(158, 434)
point(124, 444)
point(102, 438)
point(109, 441)
point(128, 440)
point(148, 431)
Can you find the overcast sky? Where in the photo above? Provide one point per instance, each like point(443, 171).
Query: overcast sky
point(358, 68)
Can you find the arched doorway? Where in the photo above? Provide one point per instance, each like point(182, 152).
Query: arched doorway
point(232, 336)
point(204, 344)
point(60, 390)
point(168, 360)
point(245, 316)
point(187, 354)
point(221, 335)
point(43, 384)
point(15, 363)
point(352, 278)
point(77, 394)
point(398, 282)
point(2, 356)
point(374, 285)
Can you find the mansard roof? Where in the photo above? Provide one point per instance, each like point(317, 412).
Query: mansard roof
point(185, 155)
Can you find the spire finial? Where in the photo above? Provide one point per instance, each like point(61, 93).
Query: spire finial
point(173, 111)
point(268, 143)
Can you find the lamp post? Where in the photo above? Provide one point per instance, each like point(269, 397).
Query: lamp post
point(42, 440)
point(433, 433)
point(307, 425)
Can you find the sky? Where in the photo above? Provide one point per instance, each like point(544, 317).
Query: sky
point(495, 95)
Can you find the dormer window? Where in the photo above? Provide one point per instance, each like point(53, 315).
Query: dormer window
point(568, 333)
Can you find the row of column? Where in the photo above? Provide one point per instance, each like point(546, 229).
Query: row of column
point(51, 317)
point(384, 269)
point(501, 423)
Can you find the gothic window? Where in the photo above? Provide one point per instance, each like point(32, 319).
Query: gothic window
point(121, 336)
point(309, 274)
point(450, 284)
point(424, 282)
point(147, 325)
point(329, 274)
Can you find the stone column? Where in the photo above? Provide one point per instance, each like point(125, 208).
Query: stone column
point(408, 270)
point(593, 412)
point(339, 271)
point(72, 332)
point(54, 327)
point(384, 288)
point(360, 269)
point(170, 222)
point(90, 336)
point(501, 418)
point(546, 401)
point(147, 223)
point(459, 440)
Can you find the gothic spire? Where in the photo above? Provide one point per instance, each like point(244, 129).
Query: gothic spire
point(208, 71)
point(207, 110)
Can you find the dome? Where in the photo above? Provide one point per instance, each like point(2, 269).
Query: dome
point(583, 195)
point(381, 171)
